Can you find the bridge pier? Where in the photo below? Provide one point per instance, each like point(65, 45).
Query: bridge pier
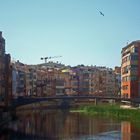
point(96, 101)
point(64, 104)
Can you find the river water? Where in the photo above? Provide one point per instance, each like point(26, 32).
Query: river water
point(64, 125)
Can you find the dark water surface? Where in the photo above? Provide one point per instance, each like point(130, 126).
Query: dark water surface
point(63, 125)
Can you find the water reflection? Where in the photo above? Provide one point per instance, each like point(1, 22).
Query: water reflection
point(129, 131)
point(62, 125)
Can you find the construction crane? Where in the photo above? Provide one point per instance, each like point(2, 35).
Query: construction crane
point(46, 58)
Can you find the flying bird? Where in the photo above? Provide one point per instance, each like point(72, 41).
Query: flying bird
point(101, 13)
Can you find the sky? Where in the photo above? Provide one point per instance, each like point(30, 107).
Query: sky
point(73, 29)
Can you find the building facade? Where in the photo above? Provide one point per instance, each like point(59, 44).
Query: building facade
point(5, 74)
point(2, 66)
point(130, 70)
point(117, 72)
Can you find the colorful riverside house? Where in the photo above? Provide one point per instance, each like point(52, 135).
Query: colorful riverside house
point(33, 80)
point(59, 82)
point(130, 70)
point(69, 81)
point(28, 79)
point(21, 83)
point(24, 79)
point(2, 80)
point(104, 79)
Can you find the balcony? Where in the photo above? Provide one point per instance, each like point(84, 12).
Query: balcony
point(59, 87)
point(125, 53)
point(125, 72)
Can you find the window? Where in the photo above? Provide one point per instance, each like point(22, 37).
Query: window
point(59, 83)
point(134, 66)
point(92, 84)
point(134, 57)
point(125, 69)
point(126, 78)
point(136, 49)
point(75, 83)
point(133, 78)
point(125, 87)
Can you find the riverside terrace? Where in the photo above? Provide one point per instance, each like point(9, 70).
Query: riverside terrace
point(29, 100)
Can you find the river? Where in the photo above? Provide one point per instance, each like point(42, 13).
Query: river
point(64, 125)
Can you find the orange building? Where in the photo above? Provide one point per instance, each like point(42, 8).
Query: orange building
point(130, 70)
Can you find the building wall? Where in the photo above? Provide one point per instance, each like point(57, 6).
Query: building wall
point(118, 84)
point(28, 83)
point(14, 82)
point(2, 66)
point(43, 81)
point(110, 83)
point(21, 83)
point(8, 79)
point(33, 81)
point(5, 74)
point(130, 70)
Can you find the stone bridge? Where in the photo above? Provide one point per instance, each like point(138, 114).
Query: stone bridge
point(29, 100)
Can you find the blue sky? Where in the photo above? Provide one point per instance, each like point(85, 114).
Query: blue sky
point(71, 28)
